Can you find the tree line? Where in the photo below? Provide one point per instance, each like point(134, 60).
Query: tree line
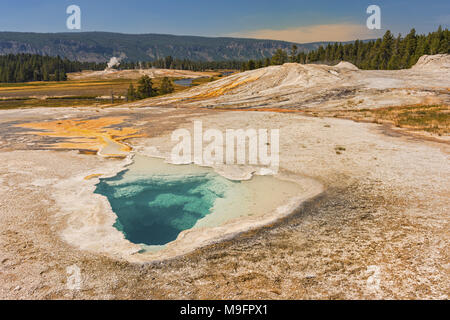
point(182, 64)
point(33, 67)
point(387, 53)
point(146, 90)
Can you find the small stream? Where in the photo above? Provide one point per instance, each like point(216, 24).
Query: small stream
point(184, 82)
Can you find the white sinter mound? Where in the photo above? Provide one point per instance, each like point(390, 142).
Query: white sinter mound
point(438, 62)
point(300, 86)
point(346, 65)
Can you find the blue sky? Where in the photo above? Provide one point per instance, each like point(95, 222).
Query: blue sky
point(298, 20)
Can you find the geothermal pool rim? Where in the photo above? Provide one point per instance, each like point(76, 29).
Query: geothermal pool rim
point(98, 234)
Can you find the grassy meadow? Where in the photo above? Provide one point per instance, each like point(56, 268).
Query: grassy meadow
point(72, 93)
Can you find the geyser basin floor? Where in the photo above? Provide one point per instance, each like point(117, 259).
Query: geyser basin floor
point(155, 201)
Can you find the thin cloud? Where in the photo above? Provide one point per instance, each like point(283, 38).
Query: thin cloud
point(314, 33)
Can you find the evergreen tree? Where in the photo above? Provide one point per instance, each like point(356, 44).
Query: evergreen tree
point(280, 57)
point(45, 75)
point(131, 93)
point(168, 62)
point(166, 86)
point(386, 50)
point(293, 57)
point(410, 49)
point(57, 76)
point(394, 62)
point(145, 87)
point(444, 46)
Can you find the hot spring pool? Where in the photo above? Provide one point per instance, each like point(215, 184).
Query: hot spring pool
point(155, 201)
point(154, 209)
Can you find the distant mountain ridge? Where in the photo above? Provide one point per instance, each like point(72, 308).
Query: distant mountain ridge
point(101, 46)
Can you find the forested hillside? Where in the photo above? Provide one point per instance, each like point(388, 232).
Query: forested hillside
point(28, 67)
point(101, 46)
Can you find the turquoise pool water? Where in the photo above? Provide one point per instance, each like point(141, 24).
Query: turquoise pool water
point(153, 208)
point(155, 201)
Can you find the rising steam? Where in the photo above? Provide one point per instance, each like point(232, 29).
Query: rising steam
point(115, 61)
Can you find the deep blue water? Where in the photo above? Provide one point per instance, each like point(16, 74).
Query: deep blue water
point(155, 209)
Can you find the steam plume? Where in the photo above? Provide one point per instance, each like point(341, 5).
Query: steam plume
point(115, 61)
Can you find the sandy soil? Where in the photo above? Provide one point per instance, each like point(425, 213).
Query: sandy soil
point(385, 208)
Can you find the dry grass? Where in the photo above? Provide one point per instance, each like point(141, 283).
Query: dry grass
point(56, 102)
point(203, 80)
point(433, 118)
point(65, 88)
point(74, 93)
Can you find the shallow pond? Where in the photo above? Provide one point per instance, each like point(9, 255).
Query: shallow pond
point(184, 82)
